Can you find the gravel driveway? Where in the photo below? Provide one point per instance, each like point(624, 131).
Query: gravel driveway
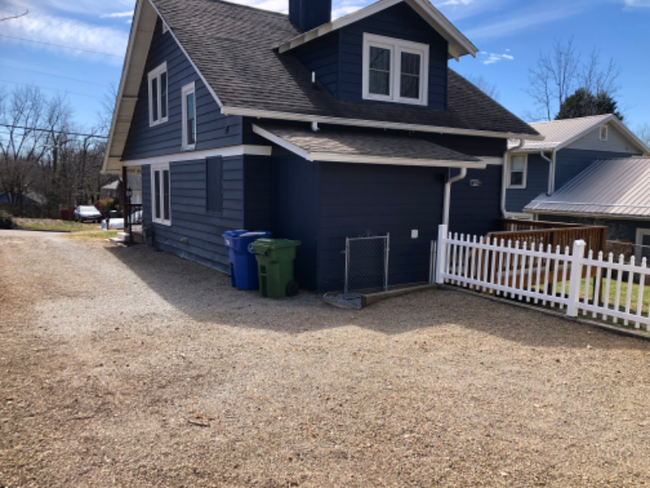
point(133, 368)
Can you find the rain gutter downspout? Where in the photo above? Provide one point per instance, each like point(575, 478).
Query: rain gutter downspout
point(504, 176)
point(551, 171)
point(447, 204)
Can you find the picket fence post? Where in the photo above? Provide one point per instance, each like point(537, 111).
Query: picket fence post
point(441, 258)
point(575, 280)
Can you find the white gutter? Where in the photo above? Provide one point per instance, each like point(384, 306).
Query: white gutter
point(447, 204)
point(504, 176)
point(551, 171)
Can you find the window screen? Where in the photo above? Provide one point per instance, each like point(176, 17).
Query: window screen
point(379, 71)
point(214, 184)
point(156, 182)
point(166, 209)
point(410, 81)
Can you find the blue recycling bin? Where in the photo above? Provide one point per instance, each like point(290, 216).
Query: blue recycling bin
point(243, 265)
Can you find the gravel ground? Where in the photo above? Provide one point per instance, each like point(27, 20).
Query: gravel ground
point(129, 367)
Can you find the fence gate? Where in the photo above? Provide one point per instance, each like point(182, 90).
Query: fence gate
point(366, 262)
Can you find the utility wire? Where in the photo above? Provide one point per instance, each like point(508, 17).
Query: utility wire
point(56, 76)
point(61, 45)
point(55, 89)
point(52, 130)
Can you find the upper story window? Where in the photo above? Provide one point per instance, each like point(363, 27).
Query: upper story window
point(517, 171)
point(158, 95)
point(604, 132)
point(161, 194)
point(188, 93)
point(395, 70)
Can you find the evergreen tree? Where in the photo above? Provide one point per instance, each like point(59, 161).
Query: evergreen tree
point(584, 103)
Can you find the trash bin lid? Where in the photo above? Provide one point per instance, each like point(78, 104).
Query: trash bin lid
point(265, 243)
point(255, 233)
point(234, 233)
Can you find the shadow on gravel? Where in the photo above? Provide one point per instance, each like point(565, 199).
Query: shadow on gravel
point(205, 295)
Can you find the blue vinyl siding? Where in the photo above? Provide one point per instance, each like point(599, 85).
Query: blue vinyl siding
point(360, 199)
point(536, 183)
point(189, 216)
point(258, 211)
point(337, 58)
point(213, 129)
point(322, 56)
point(476, 210)
point(571, 162)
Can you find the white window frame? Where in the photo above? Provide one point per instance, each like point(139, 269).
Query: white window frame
point(525, 177)
point(186, 90)
point(160, 167)
point(396, 47)
point(156, 73)
point(604, 137)
point(640, 233)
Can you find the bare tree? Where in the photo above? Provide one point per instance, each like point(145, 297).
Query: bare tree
point(485, 86)
point(644, 133)
point(560, 72)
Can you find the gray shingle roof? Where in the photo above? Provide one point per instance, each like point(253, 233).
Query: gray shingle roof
point(355, 143)
point(232, 46)
point(613, 188)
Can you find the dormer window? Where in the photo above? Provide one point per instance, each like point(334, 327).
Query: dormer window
point(603, 133)
point(158, 95)
point(395, 70)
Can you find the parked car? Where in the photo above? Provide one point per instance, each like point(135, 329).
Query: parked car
point(87, 213)
point(118, 222)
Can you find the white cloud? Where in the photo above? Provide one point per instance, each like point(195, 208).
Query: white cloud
point(493, 57)
point(272, 5)
point(53, 29)
point(455, 2)
point(345, 10)
point(117, 15)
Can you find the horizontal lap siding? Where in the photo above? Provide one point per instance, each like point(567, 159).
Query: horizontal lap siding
point(571, 162)
point(258, 211)
point(359, 199)
point(536, 184)
point(476, 210)
point(213, 129)
point(321, 56)
point(295, 210)
point(190, 220)
point(400, 22)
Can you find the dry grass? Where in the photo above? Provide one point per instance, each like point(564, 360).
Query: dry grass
point(53, 225)
point(128, 367)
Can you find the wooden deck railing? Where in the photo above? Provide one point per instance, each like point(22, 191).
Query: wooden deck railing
point(534, 233)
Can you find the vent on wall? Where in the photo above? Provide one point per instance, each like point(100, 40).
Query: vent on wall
point(603, 132)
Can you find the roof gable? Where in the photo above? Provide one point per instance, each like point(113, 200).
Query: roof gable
point(458, 44)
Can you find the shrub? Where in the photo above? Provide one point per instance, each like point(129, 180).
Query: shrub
point(105, 205)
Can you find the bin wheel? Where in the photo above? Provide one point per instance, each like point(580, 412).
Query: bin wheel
point(292, 289)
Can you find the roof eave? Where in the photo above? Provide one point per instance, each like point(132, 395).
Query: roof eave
point(459, 45)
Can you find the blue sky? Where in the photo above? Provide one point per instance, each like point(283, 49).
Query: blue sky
point(510, 34)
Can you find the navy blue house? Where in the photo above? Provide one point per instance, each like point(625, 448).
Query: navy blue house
point(312, 128)
point(570, 146)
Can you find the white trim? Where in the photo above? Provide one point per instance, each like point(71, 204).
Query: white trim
point(458, 44)
point(185, 91)
point(361, 158)
point(525, 175)
point(225, 152)
point(491, 160)
point(205, 82)
point(157, 73)
point(519, 215)
point(640, 233)
point(603, 135)
point(268, 114)
point(165, 27)
point(396, 48)
point(160, 167)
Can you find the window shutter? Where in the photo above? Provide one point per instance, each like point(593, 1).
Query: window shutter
point(214, 184)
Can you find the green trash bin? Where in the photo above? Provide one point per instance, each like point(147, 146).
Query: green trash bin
point(275, 267)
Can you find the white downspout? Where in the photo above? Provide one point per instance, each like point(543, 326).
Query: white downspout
point(551, 171)
point(447, 203)
point(504, 176)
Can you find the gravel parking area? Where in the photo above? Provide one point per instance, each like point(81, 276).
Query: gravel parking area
point(129, 367)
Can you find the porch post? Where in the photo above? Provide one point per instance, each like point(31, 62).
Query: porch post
point(575, 281)
point(123, 191)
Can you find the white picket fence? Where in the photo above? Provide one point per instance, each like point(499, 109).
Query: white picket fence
point(552, 277)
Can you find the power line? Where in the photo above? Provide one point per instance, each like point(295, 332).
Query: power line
point(56, 76)
point(55, 89)
point(61, 45)
point(52, 130)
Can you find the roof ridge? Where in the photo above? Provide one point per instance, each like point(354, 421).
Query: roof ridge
point(572, 119)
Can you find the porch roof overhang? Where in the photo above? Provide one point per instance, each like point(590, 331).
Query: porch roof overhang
point(334, 145)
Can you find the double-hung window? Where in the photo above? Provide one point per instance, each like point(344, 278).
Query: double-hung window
point(158, 90)
point(188, 93)
point(161, 194)
point(517, 171)
point(395, 70)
